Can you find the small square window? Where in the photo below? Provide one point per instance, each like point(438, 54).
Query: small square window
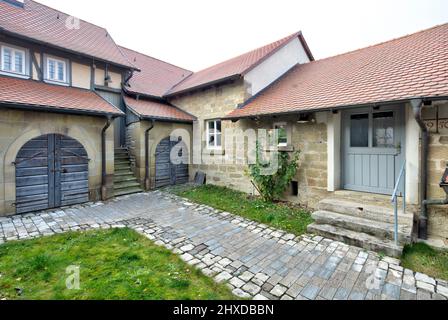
point(281, 137)
point(13, 60)
point(56, 70)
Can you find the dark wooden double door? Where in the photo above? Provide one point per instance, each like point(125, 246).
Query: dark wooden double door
point(51, 171)
point(171, 163)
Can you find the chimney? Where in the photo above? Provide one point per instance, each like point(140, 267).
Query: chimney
point(17, 3)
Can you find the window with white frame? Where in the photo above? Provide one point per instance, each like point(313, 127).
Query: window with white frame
point(56, 70)
point(13, 60)
point(281, 128)
point(214, 134)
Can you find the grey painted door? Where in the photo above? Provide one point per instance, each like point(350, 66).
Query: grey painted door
point(167, 172)
point(373, 141)
point(119, 123)
point(51, 171)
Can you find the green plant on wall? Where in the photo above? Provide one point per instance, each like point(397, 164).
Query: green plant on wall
point(272, 186)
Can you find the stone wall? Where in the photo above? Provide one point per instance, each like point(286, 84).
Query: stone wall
point(135, 139)
point(437, 161)
point(18, 127)
point(217, 102)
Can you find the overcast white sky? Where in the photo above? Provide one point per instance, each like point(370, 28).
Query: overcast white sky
point(196, 34)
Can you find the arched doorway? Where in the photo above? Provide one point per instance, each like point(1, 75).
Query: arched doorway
point(51, 171)
point(167, 172)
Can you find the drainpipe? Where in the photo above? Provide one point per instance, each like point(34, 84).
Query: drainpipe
point(417, 106)
point(103, 158)
point(147, 182)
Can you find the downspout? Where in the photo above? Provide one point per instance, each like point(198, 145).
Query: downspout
point(147, 182)
point(103, 158)
point(417, 106)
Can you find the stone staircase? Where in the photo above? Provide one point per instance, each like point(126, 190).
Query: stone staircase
point(366, 224)
point(125, 181)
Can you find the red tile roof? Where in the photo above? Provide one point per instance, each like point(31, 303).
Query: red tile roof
point(235, 67)
point(412, 66)
point(157, 110)
point(156, 77)
point(34, 95)
point(44, 24)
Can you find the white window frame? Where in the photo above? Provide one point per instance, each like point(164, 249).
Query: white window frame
point(14, 51)
point(215, 146)
point(47, 71)
point(282, 124)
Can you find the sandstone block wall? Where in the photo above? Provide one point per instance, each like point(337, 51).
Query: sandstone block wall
point(18, 127)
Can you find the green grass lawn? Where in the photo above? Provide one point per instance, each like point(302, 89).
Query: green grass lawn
point(422, 258)
point(278, 215)
point(114, 264)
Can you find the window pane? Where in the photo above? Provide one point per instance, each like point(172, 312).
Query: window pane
point(211, 140)
point(218, 126)
point(383, 130)
point(282, 134)
point(211, 125)
point(359, 130)
point(61, 71)
point(218, 140)
point(19, 62)
point(51, 70)
point(7, 60)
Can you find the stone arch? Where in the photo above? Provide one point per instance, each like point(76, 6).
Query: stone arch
point(14, 148)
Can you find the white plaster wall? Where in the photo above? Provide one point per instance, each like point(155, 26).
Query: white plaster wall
point(275, 66)
point(412, 156)
point(334, 151)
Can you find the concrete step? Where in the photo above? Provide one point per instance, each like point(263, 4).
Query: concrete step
point(359, 239)
point(379, 229)
point(126, 184)
point(366, 211)
point(126, 191)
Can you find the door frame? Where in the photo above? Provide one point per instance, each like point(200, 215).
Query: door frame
point(400, 123)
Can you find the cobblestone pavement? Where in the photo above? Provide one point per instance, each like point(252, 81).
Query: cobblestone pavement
point(256, 261)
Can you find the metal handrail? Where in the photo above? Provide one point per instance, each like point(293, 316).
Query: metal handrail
point(394, 199)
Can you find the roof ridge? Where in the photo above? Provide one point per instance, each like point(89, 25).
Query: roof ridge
point(291, 36)
point(382, 43)
point(146, 55)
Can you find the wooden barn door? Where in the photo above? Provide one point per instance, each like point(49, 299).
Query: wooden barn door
point(51, 171)
point(168, 173)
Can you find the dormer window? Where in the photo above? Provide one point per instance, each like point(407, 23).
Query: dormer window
point(56, 70)
point(13, 60)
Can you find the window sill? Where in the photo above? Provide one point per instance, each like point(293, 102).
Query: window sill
point(15, 75)
point(65, 84)
point(281, 149)
point(214, 152)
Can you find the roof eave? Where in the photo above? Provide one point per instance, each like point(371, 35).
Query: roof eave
point(341, 107)
point(17, 35)
point(53, 109)
point(204, 85)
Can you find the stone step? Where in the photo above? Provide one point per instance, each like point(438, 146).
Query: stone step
point(366, 211)
point(359, 239)
point(379, 229)
point(122, 162)
point(121, 156)
point(120, 167)
point(126, 191)
point(119, 152)
point(126, 184)
point(121, 173)
point(124, 178)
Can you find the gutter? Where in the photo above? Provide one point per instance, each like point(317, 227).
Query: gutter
point(417, 106)
point(103, 158)
point(147, 182)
